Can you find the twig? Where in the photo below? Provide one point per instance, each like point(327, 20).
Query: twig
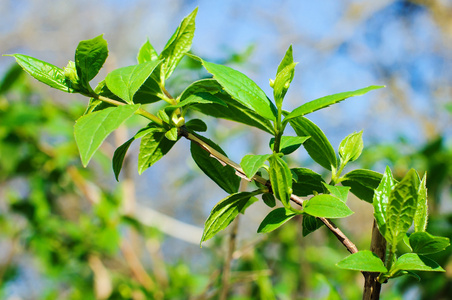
point(296, 199)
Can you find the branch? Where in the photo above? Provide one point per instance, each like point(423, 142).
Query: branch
point(296, 199)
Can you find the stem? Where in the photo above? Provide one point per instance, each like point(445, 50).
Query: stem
point(372, 287)
point(296, 199)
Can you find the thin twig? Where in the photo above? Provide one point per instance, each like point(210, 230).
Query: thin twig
point(296, 199)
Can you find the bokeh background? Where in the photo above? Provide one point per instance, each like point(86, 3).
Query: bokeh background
point(73, 233)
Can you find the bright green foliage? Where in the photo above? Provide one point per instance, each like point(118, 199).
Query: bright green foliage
point(289, 144)
point(351, 147)
point(381, 199)
point(44, 72)
point(364, 260)
point(317, 146)
point(153, 147)
point(326, 206)
point(275, 219)
point(147, 53)
point(310, 224)
point(340, 192)
point(425, 243)
point(252, 163)
point(327, 101)
point(284, 77)
point(90, 56)
point(91, 130)
point(242, 89)
point(118, 157)
point(401, 207)
point(222, 175)
point(281, 179)
point(179, 44)
point(414, 262)
point(362, 183)
point(224, 212)
point(308, 182)
point(196, 125)
point(421, 216)
point(125, 82)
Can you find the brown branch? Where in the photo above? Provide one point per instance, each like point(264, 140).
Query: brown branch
point(372, 286)
point(296, 199)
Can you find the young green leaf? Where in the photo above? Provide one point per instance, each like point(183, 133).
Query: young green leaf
point(275, 219)
point(179, 44)
point(44, 72)
point(308, 182)
point(317, 146)
point(326, 206)
point(269, 199)
point(351, 147)
point(118, 157)
point(125, 82)
point(364, 260)
point(252, 163)
point(421, 216)
point(310, 224)
point(209, 85)
point(196, 125)
point(381, 199)
point(425, 243)
point(154, 145)
point(281, 179)
point(172, 134)
point(284, 77)
point(326, 101)
point(401, 207)
point(362, 183)
point(224, 212)
point(222, 175)
point(90, 56)
point(289, 144)
point(91, 130)
point(415, 262)
point(200, 98)
point(242, 89)
point(341, 192)
point(147, 53)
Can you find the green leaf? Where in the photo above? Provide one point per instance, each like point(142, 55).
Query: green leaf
point(364, 260)
point(362, 183)
point(401, 208)
point(415, 262)
point(425, 243)
point(340, 192)
point(172, 134)
point(91, 130)
point(310, 224)
point(351, 147)
point(289, 144)
point(118, 157)
point(154, 145)
point(275, 219)
point(209, 85)
point(149, 91)
point(147, 53)
point(242, 89)
point(196, 125)
point(200, 98)
point(224, 212)
point(179, 44)
point(90, 56)
point(421, 216)
point(252, 163)
point(44, 72)
point(308, 182)
point(326, 101)
point(281, 179)
point(326, 206)
point(125, 82)
point(317, 146)
point(381, 199)
point(269, 199)
point(96, 104)
point(284, 77)
point(224, 176)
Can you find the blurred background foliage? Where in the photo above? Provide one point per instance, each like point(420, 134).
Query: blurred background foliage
point(73, 233)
